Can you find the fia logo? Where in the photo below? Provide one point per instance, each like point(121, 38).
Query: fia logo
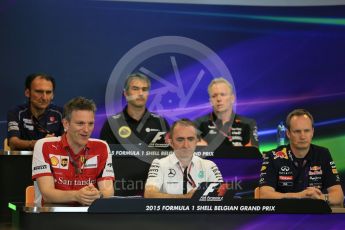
point(212, 193)
point(211, 187)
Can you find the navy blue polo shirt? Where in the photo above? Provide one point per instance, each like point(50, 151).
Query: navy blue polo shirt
point(286, 173)
point(22, 124)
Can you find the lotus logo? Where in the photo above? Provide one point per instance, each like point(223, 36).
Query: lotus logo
point(124, 131)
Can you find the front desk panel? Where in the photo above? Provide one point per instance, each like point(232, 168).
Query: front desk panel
point(113, 214)
point(181, 221)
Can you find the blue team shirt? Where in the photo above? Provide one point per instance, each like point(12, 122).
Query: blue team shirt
point(22, 124)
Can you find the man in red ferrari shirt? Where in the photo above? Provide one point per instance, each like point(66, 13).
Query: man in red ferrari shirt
point(74, 167)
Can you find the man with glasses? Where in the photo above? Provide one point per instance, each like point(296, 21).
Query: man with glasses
point(179, 174)
point(36, 119)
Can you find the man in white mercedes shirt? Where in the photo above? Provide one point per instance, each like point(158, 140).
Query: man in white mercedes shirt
point(179, 174)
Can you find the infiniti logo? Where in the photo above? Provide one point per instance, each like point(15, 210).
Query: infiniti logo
point(285, 169)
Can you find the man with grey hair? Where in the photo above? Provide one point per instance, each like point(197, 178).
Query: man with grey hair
point(223, 126)
point(136, 126)
point(300, 169)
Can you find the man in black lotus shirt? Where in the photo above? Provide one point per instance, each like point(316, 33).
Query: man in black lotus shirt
point(135, 124)
point(138, 126)
point(300, 169)
point(223, 126)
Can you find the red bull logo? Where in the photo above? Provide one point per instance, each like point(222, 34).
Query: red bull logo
point(281, 154)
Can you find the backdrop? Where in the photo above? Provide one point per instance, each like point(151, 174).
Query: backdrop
point(278, 58)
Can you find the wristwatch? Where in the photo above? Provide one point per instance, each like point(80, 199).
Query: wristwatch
point(326, 198)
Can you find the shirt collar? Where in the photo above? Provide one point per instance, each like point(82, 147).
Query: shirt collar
point(307, 157)
point(175, 161)
point(214, 118)
point(65, 144)
point(127, 117)
point(43, 114)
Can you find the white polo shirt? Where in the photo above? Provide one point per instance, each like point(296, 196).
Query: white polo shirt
point(167, 174)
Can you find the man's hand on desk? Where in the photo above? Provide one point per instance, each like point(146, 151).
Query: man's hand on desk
point(312, 192)
point(88, 194)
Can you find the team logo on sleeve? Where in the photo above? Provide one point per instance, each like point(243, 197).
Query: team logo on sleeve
point(334, 168)
point(125, 131)
point(280, 154)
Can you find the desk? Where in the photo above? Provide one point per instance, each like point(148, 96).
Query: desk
point(131, 165)
point(130, 170)
point(15, 176)
point(64, 217)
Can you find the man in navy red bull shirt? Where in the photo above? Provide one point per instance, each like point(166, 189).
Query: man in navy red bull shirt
point(300, 169)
